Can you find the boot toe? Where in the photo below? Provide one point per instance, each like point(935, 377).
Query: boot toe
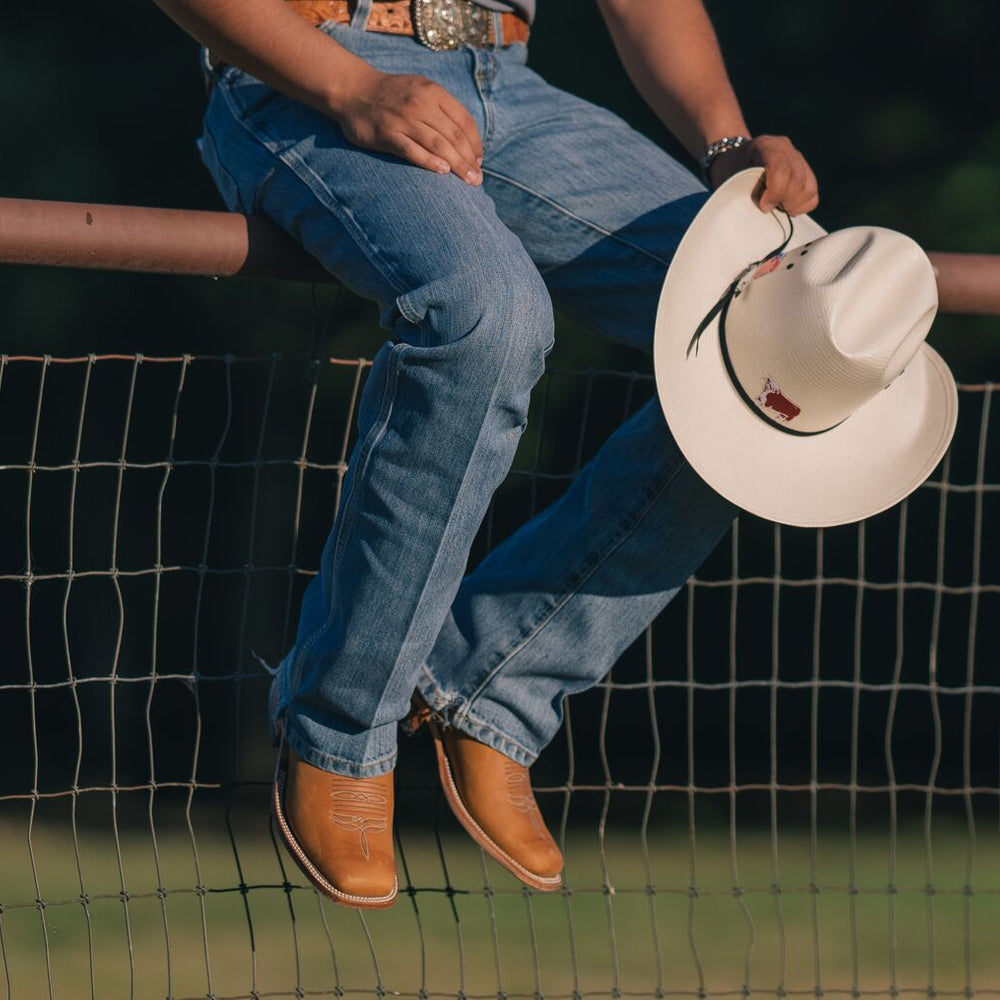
point(492, 798)
point(543, 857)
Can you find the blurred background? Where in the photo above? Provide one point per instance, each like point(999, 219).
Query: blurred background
point(732, 824)
point(895, 106)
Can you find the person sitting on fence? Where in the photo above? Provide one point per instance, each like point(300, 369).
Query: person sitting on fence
point(408, 146)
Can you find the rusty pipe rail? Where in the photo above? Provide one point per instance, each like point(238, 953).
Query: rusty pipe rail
point(967, 282)
point(150, 240)
point(224, 244)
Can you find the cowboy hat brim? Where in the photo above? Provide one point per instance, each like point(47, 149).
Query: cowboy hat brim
point(870, 462)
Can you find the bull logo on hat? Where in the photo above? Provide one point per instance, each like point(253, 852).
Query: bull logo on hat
point(771, 399)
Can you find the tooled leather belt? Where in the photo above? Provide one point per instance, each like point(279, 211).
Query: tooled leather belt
point(438, 24)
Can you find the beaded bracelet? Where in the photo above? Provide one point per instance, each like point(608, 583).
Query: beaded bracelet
point(716, 149)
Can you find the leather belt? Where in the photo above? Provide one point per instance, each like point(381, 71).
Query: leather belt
point(438, 24)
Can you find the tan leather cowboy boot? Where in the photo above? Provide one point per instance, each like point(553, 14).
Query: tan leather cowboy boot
point(491, 797)
point(338, 830)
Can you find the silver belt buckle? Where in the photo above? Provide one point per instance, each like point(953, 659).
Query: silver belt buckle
point(447, 24)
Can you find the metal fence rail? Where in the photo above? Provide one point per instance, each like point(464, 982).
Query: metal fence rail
point(223, 244)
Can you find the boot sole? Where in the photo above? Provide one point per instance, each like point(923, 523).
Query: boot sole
point(543, 883)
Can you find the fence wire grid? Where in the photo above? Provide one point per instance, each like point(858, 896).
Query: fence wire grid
point(789, 786)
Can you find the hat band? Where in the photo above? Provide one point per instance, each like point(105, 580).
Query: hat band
point(736, 286)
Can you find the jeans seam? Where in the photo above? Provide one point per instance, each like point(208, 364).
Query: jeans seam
point(341, 212)
point(381, 424)
point(487, 110)
point(288, 157)
point(218, 159)
point(607, 233)
point(441, 702)
point(471, 717)
point(523, 641)
point(451, 513)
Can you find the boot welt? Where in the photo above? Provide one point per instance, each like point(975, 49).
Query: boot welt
point(301, 858)
point(543, 883)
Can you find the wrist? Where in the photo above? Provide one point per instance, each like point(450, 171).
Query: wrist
point(349, 75)
point(719, 149)
point(712, 123)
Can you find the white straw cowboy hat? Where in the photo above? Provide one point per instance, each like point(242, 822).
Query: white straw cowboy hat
point(791, 364)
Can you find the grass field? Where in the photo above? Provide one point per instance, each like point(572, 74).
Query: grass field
point(500, 941)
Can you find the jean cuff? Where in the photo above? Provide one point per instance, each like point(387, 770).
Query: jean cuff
point(457, 713)
point(376, 749)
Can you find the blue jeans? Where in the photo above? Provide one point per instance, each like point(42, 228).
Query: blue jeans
point(575, 208)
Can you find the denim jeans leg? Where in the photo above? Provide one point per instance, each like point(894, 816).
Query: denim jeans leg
point(550, 610)
point(440, 416)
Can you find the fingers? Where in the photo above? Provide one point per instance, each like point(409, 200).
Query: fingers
point(789, 181)
point(416, 119)
point(448, 143)
point(442, 128)
point(408, 149)
point(466, 124)
point(777, 174)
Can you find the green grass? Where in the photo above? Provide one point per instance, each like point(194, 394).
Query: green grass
point(590, 939)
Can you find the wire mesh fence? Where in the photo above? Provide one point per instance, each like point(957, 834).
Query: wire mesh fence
point(790, 785)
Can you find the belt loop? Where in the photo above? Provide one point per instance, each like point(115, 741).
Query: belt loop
point(359, 14)
point(497, 29)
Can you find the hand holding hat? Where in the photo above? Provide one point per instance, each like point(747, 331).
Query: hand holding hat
point(791, 364)
point(788, 179)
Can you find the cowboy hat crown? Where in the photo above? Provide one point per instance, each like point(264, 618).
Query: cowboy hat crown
point(834, 323)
